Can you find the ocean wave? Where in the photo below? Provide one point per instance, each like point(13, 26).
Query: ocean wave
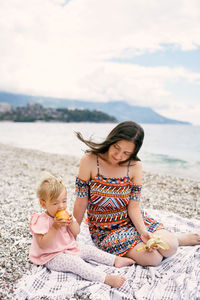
point(170, 165)
point(164, 158)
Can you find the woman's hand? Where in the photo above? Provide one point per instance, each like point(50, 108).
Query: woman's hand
point(145, 236)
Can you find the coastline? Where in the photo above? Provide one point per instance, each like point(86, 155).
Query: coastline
point(21, 171)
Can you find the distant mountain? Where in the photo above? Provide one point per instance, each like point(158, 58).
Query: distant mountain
point(121, 110)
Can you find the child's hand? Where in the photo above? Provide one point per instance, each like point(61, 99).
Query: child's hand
point(70, 220)
point(59, 222)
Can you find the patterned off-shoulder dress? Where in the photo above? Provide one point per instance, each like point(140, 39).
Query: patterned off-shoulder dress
point(110, 227)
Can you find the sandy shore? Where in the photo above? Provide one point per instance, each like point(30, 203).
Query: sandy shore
point(20, 172)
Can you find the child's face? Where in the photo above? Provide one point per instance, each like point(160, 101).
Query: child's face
point(53, 206)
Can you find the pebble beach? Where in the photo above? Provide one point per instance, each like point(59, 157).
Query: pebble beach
point(20, 172)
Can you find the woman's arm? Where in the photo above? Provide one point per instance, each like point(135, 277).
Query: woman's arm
point(134, 210)
point(135, 214)
point(80, 204)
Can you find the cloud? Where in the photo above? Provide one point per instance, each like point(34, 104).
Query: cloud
point(181, 111)
point(63, 48)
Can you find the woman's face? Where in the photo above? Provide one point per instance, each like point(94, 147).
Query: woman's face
point(120, 151)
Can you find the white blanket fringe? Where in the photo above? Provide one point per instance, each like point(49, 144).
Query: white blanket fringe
point(176, 278)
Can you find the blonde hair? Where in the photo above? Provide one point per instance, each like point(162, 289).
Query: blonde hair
point(50, 188)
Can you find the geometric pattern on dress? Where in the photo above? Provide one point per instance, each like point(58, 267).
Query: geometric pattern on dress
point(110, 227)
point(107, 202)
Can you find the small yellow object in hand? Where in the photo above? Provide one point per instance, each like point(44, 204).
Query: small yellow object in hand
point(63, 214)
point(153, 242)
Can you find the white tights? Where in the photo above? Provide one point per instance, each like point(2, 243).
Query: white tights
point(70, 263)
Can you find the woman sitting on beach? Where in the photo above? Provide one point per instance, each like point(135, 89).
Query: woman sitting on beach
point(54, 243)
point(109, 186)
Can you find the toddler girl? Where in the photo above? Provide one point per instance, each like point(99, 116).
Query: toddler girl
point(54, 243)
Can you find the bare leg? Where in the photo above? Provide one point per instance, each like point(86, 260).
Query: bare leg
point(188, 239)
point(145, 258)
point(155, 256)
point(171, 239)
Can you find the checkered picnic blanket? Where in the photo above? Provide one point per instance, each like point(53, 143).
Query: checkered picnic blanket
point(176, 278)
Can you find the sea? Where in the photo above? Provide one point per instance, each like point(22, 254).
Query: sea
point(167, 149)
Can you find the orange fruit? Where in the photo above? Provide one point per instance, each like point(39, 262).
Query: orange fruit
point(63, 214)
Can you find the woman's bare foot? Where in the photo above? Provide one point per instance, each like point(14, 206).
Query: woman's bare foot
point(121, 261)
point(188, 239)
point(114, 280)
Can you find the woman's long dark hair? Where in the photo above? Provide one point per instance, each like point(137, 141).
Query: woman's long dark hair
point(128, 130)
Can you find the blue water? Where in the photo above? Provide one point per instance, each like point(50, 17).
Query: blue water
point(172, 149)
point(167, 149)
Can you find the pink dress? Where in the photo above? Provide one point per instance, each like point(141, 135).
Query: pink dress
point(64, 241)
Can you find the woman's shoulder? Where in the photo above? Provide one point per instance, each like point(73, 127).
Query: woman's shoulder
point(87, 165)
point(88, 157)
point(136, 163)
point(135, 171)
point(88, 160)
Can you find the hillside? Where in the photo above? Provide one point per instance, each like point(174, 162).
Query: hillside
point(36, 112)
point(121, 110)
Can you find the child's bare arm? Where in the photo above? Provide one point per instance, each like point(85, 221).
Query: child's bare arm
point(73, 226)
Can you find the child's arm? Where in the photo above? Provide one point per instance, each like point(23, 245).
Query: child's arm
point(73, 226)
point(44, 240)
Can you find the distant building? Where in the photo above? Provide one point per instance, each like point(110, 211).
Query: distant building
point(5, 107)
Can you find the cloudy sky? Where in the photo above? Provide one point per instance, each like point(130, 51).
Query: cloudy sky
point(144, 52)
